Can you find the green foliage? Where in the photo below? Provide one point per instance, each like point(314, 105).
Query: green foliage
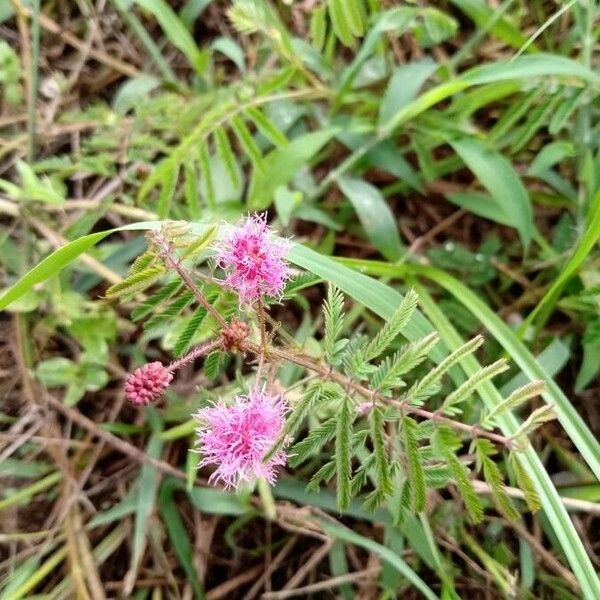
point(494, 478)
point(333, 315)
point(416, 476)
point(266, 120)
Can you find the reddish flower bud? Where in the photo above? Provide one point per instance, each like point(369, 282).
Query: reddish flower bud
point(147, 383)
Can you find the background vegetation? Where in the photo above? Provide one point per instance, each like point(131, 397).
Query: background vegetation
point(447, 146)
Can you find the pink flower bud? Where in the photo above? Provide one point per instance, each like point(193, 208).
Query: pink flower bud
point(364, 408)
point(147, 383)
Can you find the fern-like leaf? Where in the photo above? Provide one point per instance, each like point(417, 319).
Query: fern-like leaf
point(266, 127)
point(524, 482)
point(137, 282)
point(148, 305)
point(392, 327)
point(430, 384)
point(493, 476)
point(175, 308)
point(388, 373)
point(343, 455)
point(247, 142)
point(516, 399)
point(204, 163)
point(333, 314)
point(297, 415)
point(191, 327)
point(213, 364)
point(324, 474)
point(415, 470)
point(227, 156)
point(466, 389)
point(383, 478)
point(312, 443)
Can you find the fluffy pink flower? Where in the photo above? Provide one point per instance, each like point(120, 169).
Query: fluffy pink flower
point(147, 383)
point(253, 259)
point(236, 438)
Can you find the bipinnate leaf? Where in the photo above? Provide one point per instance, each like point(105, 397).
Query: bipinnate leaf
point(416, 475)
point(333, 315)
point(466, 389)
point(343, 455)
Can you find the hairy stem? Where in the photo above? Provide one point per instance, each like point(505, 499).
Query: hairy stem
point(326, 372)
point(174, 263)
point(200, 350)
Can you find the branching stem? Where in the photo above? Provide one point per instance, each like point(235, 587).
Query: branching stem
point(326, 372)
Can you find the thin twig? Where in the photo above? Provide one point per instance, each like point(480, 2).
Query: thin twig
point(323, 585)
point(325, 372)
point(111, 439)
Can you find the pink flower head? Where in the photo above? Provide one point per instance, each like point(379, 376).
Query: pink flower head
point(253, 259)
point(236, 438)
point(147, 383)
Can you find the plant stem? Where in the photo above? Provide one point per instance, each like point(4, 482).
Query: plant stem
point(35, 62)
point(172, 261)
point(266, 498)
point(325, 372)
point(200, 350)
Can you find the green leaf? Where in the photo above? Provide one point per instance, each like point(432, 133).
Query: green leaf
point(133, 91)
point(248, 143)
point(343, 455)
point(523, 67)
point(176, 31)
point(55, 372)
point(407, 358)
point(318, 26)
point(296, 417)
point(429, 384)
point(213, 364)
point(342, 533)
point(403, 86)
point(204, 162)
point(178, 535)
point(190, 189)
point(175, 308)
point(502, 182)
point(333, 316)
point(493, 476)
point(480, 13)
point(313, 442)
point(227, 156)
point(199, 243)
point(385, 485)
point(375, 216)
point(146, 498)
point(136, 283)
point(392, 327)
point(524, 482)
point(231, 50)
point(465, 487)
point(588, 240)
point(280, 166)
point(147, 306)
point(518, 397)
point(538, 417)
point(266, 126)
point(185, 338)
point(416, 476)
point(465, 390)
point(340, 22)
